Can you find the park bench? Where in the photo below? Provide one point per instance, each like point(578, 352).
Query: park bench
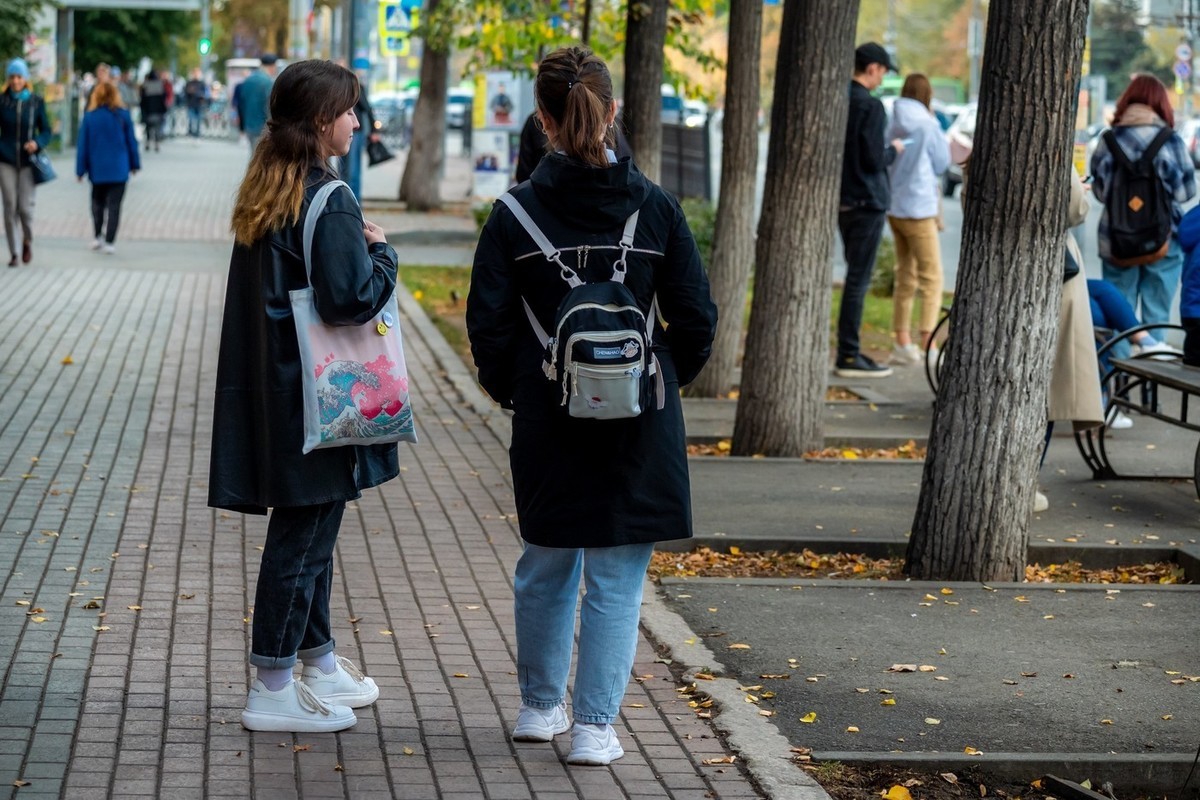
point(1135, 384)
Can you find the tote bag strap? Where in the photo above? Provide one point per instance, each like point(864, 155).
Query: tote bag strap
point(310, 221)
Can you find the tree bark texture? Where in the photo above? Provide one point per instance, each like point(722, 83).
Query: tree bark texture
point(786, 364)
point(733, 238)
point(420, 184)
point(645, 38)
point(972, 518)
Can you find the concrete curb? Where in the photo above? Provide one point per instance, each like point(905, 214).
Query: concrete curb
point(766, 753)
point(453, 368)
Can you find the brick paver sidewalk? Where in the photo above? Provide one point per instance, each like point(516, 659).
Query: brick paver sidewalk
point(125, 601)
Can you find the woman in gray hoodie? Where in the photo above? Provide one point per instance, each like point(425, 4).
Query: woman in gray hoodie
point(913, 216)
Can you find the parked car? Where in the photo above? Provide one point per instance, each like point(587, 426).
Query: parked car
point(458, 105)
point(695, 113)
point(960, 135)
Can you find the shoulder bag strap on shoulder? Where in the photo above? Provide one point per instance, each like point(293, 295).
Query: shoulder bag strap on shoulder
point(543, 242)
point(310, 221)
point(1114, 147)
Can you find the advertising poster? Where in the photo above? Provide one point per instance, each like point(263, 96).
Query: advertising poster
point(502, 102)
point(493, 166)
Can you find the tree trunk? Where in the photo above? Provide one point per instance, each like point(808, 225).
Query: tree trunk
point(645, 38)
point(786, 365)
point(972, 519)
point(419, 187)
point(733, 237)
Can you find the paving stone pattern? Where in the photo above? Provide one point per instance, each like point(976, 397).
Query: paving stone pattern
point(125, 601)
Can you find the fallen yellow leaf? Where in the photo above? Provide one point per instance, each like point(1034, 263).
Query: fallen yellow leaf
point(932, 721)
point(735, 551)
point(1106, 722)
point(739, 647)
point(971, 751)
point(68, 360)
point(408, 751)
point(897, 792)
point(947, 591)
point(1168, 716)
point(852, 729)
point(890, 701)
point(809, 717)
point(461, 675)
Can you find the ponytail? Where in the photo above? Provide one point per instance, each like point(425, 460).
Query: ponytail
point(574, 88)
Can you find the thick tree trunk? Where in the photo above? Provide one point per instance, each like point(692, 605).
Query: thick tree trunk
point(645, 38)
point(972, 519)
point(733, 237)
point(786, 365)
point(419, 187)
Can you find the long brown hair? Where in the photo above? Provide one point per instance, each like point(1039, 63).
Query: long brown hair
point(917, 87)
point(306, 97)
point(574, 89)
point(1147, 90)
point(105, 94)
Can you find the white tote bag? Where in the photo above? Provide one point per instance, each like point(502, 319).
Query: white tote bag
point(354, 377)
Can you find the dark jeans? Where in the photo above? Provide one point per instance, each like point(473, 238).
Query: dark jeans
point(1191, 341)
point(861, 230)
point(106, 201)
point(194, 117)
point(291, 602)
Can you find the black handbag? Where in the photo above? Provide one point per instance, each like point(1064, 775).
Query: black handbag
point(39, 162)
point(377, 153)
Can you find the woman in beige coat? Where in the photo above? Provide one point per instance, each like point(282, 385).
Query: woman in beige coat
point(1075, 378)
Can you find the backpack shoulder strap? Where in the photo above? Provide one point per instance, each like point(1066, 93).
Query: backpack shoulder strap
point(310, 221)
point(1155, 145)
point(543, 242)
point(1114, 147)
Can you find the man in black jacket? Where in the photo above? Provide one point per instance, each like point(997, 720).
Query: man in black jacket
point(864, 202)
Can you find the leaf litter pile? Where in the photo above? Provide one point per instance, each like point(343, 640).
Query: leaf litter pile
point(909, 451)
point(704, 562)
point(845, 782)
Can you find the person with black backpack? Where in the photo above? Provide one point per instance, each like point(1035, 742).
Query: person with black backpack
point(1142, 173)
point(574, 270)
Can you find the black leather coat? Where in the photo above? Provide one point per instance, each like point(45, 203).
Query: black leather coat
point(258, 418)
point(578, 482)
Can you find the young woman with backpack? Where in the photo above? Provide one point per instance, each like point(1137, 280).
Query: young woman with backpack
point(1142, 114)
point(592, 495)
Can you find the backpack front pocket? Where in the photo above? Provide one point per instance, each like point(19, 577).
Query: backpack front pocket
point(613, 392)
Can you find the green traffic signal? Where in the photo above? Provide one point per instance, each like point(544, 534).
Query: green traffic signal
point(205, 45)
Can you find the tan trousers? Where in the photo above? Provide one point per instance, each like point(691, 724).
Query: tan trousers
point(918, 272)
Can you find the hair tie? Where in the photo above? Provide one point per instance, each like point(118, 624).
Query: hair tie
point(569, 85)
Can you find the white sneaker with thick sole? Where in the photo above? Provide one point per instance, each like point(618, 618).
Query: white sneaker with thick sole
point(97, 244)
point(540, 724)
point(594, 745)
point(1120, 421)
point(1040, 502)
point(346, 686)
point(295, 709)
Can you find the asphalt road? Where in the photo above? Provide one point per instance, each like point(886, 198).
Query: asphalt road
point(1001, 683)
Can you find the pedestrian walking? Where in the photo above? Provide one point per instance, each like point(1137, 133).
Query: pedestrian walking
point(252, 98)
point(351, 169)
point(864, 203)
point(107, 153)
point(153, 96)
point(197, 94)
point(592, 496)
point(24, 130)
point(1189, 298)
point(256, 462)
point(1143, 112)
point(913, 218)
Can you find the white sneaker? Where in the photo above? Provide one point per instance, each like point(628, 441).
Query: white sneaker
point(1120, 421)
point(905, 355)
point(97, 244)
point(345, 686)
point(540, 724)
point(110, 250)
point(1162, 348)
point(594, 745)
point(1040, 502)
point(295, 709)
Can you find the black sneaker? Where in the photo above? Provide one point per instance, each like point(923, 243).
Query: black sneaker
point(860, 367)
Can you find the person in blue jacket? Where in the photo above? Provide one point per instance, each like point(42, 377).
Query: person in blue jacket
point(1189, 298)
point(252, 98)
point(24, 130)
point(107, 154)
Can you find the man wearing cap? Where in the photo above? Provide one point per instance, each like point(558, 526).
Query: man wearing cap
point(253, 99)
point(24, 130)
point(864, 202)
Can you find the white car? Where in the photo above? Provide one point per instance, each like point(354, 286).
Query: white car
point(458, 105)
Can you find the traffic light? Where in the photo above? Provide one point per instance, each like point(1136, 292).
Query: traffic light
point(204, 45)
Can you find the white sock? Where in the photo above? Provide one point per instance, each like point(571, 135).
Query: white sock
point(326, 663)
point(274, 679)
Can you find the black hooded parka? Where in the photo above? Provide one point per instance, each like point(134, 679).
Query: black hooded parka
point(580, 482)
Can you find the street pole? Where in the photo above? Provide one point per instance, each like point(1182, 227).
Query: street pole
point(975, 46)
point(889, 36)
point(206, 33)
point(298, 28)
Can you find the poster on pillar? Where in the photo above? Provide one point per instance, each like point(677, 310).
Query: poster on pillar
point(492, 153)
point(502, 102)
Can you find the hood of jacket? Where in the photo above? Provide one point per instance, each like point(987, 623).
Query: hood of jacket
point(589, 198)
point(909, 116)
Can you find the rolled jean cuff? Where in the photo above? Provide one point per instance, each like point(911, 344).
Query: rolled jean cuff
point(595, 719)
point(316, 652)
point(272, 662)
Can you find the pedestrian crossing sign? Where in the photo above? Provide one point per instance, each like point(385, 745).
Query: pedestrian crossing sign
point(395, 28)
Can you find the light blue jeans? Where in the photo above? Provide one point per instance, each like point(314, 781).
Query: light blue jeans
point(1154, 284)
point(546, 589)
